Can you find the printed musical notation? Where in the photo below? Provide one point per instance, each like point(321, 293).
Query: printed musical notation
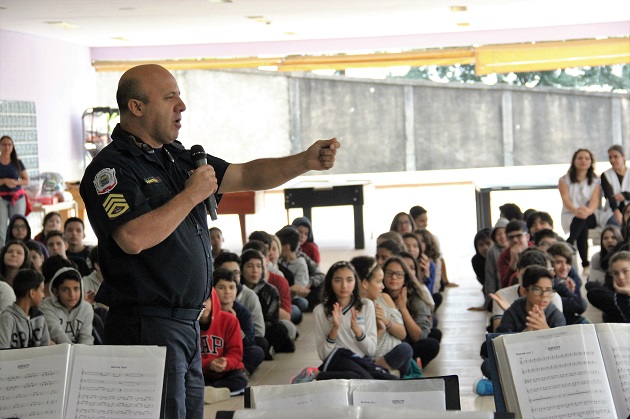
point(614, 343)
point(31, 390)
point(562, 376)
point(114, 387)
point(82, 381)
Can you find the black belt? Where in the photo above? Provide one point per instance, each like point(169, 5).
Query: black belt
point(165, 312)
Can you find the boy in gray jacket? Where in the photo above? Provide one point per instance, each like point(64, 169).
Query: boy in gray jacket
point(66, 306)
point(22, 325)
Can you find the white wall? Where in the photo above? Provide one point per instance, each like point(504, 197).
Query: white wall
point(59, 78)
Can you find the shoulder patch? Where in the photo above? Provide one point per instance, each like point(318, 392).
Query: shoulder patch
point(105, 181)
point(115, 205)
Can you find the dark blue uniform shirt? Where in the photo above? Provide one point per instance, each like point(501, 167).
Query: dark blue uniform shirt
point(125, 181)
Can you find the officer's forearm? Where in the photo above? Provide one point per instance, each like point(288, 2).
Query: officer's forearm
point(155, 226)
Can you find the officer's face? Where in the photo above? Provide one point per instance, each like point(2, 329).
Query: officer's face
point(162, 115)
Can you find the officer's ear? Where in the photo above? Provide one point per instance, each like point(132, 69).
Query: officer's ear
point(136, 107)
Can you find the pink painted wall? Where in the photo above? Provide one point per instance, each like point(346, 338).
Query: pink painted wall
point(59, 78)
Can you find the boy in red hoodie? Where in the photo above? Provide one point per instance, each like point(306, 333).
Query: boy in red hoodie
point(221, 352)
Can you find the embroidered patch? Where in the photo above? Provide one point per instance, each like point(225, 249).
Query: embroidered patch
point(105, 181)
point(115, 205)
point(152, 179)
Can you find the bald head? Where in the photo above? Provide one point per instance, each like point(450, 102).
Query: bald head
point(150, 104)
point(134, 82)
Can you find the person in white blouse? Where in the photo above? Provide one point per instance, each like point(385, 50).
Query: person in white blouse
point(580, 190)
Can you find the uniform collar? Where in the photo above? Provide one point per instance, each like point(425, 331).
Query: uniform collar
point(123, 141)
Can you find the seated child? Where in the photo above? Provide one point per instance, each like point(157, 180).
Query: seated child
point(52, 221)
point(281, 284)
point(534, 311)
point(36, 252)
point(573, 305)
point(300, 289)
point(216, 241)
point(482, 242)
point(66, 306)
point(225, 286)
point(345, 329)
point(506, 296)
point(7, 295)
point(391, 235)
point(74, 233)
point(247, 298)
point(620, 269)
point(386, 250)
point(57, 245)
point(22, 325)
point(307, 245)
point(252, 276)
point(221, 347)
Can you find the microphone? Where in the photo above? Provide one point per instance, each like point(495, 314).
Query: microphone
point(198, 155)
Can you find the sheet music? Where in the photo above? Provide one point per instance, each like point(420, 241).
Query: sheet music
point(316, 393)
point(559, 373)
point(614, 341)
point(32, 381)
point(116, 381)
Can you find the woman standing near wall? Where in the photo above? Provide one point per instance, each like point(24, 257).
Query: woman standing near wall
point(13, 176)
point(580, 191)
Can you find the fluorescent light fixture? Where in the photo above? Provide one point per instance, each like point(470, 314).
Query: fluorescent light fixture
point(463, 24)
point(62, 24)
point(458, 8)
point(220, 1)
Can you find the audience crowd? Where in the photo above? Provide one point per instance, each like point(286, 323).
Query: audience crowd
point(375, 316)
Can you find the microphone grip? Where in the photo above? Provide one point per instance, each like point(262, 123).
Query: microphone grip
point(211, 205)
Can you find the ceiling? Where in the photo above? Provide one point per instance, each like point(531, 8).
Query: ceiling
point(143, 23)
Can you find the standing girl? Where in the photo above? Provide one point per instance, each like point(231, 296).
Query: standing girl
point(13, 176)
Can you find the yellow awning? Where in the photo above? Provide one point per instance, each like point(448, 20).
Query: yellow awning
point(550, 55)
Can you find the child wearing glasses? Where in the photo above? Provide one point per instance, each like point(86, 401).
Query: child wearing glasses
point(534, 311)
point(404, 289)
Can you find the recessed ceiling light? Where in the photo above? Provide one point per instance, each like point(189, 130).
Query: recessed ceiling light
point(220, 1)
point(463, 24)
point(62, 24)
point(259, 19)
point(289, 33)
point(458, 8)
point(120, 38)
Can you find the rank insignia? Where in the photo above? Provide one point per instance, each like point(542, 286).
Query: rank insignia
point(115, 205)
point(105, 181)
point(150, 180)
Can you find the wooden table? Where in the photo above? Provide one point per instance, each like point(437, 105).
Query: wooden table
point(240, 203)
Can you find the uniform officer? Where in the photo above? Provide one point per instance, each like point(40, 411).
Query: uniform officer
point(144, 199)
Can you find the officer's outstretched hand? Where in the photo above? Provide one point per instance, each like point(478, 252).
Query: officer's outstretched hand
point(321, 155)
point(202, 183)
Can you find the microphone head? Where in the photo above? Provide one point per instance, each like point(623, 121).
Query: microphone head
point(196, 150)
point(198, 155)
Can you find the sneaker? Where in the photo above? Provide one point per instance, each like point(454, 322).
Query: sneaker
point(483, 387)
point(305, 376)
point(215, 394)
